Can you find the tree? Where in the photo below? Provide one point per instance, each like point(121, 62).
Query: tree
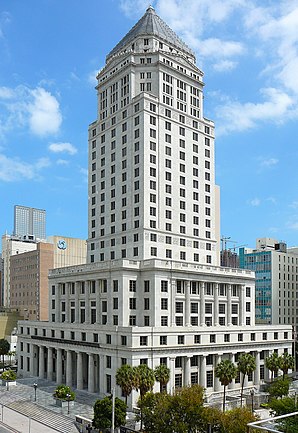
point(182, 412)
point(162, 375)
point(62, 391)
point(285, 406)
point(246, 365)
point(272, 363)
point(279, 387)
point(286, 362)
point(236, 420)
point(144, 379)
point(125, 378)
point(103, 413)
point(4, 348)
point(226, 371)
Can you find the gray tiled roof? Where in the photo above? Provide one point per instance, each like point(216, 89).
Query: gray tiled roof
point(152, 24)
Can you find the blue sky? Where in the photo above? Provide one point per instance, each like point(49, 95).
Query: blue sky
point(50, 51)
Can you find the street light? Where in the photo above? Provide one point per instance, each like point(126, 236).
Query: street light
point(68, 400)
point(252, 393)
point(35, 388)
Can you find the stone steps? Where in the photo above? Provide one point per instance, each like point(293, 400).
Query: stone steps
point(49, 418)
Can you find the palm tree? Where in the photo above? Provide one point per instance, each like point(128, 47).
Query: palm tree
point(246, 365)
point(144, 379)
point(272, 363)
point(286, 362)
point(125, 379)
point(4, 348)
point(226, 371)
point(162, 375)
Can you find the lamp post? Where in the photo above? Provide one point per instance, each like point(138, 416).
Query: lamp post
point(35, 389)
point(252, 393)
point(68, 400)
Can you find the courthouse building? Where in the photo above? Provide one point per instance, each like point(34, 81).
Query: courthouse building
point(152, 290)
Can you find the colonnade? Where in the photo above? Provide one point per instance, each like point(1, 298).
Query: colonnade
point(75, 368)
point(88, 370)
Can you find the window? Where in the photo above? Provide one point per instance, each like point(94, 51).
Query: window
point(132, 320)
point(181, 339)
point(132, 303)
point(164, 303)
point(164, 286)
point(143, 341)
point(164, 321)
point(163, 340)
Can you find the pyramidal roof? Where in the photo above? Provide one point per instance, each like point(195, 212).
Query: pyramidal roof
point(152, 24)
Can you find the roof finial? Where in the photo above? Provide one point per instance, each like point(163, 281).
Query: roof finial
point(150, 7)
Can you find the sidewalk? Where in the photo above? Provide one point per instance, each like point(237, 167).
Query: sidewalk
point(20, 411)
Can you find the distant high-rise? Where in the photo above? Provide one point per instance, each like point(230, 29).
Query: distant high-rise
point(29, 222)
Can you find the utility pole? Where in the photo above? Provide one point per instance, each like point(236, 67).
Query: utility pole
point(113, 411)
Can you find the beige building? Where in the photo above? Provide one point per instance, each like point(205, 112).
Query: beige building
point(29, 274)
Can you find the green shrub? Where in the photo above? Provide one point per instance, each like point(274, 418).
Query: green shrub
point(8, 375)
point(61, 392)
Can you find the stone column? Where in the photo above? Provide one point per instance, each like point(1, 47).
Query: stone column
point(173, 298)
point(59, 367)
point(217, 384)
point(216, 310)
point(232, 359)
point(69, 368)
point(67, 302)
point(242, 305)
point(257, 370)
point(98, 303)
point(33, 360)
point(91, 373)
point(50, 364)
point(87, 301)
point(187, 380)
point(187, 304)
point(202, 379)
point(172, 375)
point(229, 305)
point(80, 384)
point(41, 362)
point(101, 375)
point(77, 306)
point(202, 304)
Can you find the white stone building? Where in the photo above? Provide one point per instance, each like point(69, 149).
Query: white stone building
point(152, 291)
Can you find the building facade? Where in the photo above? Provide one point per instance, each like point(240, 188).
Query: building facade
point(152, 290)
point(12, 245)
point(29, 222)
point(276, 269)
point(29, 274)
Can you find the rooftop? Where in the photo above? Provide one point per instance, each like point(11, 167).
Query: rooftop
point(152, 24)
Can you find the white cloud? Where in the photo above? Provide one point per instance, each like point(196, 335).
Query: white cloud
point(45, 117)
point(84, 172)
point(269, 162)
point(236, 116)
point(294, 204)
point(92, 77)
point(254, 202)
point(225, 65)
point(62, 162)
point(5, 19)
point(22, 107)
point(13, 169)
point(63, 148)
point(6, 93)
point(215, 47)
